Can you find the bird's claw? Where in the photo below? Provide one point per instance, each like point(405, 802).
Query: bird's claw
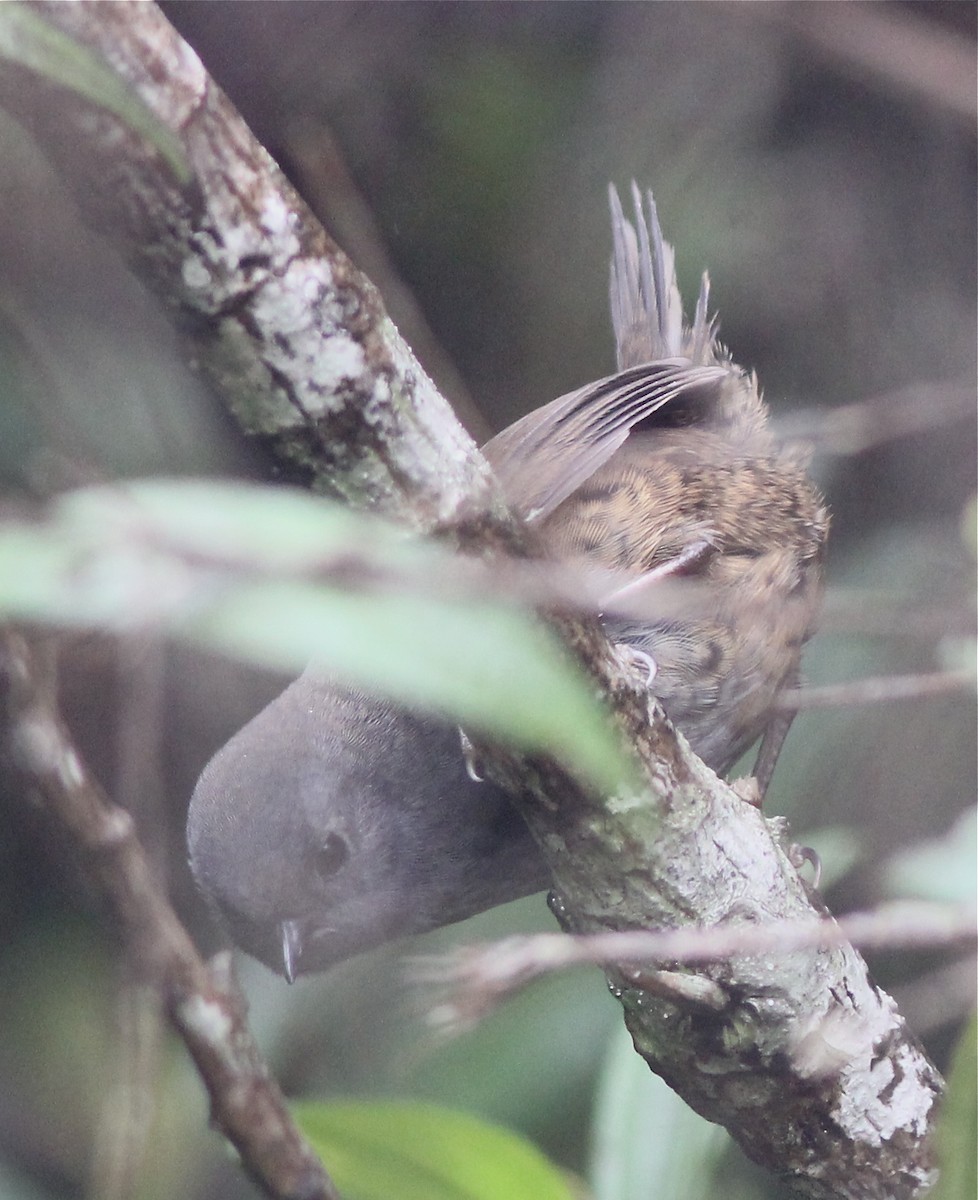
point(799, 856)
point(638, 659)
point(470, 757)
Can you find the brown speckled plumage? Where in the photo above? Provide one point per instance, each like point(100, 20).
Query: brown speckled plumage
point(667, 476)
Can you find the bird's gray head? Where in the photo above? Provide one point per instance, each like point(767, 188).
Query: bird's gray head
point(334, 822)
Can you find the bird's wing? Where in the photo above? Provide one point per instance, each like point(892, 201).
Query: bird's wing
point(546, 455)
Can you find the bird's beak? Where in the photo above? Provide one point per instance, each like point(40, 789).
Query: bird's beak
point(291, 949)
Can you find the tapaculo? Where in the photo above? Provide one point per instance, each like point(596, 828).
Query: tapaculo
point(335, 821)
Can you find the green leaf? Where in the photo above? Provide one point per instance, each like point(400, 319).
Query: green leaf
point(375, 1151)
point(28, 40)
point(957, 1128)
point(648, 1142)
point(282, 578)
point(268, 529)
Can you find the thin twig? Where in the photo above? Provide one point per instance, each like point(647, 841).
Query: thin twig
point(480, 977)
point(903, 50)
point(877, 690)
point(903, 412)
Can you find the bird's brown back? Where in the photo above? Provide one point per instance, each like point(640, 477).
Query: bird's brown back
point(668, 472)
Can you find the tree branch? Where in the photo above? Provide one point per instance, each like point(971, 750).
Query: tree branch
point(297, 345)
point(202, 1000)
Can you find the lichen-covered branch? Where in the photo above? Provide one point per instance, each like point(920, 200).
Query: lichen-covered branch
point(293, 338)
point(798, 1054)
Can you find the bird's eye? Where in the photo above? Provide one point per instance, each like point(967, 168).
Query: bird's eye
point(332, 854)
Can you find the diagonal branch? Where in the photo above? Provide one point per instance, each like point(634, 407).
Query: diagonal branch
point(803, 1059)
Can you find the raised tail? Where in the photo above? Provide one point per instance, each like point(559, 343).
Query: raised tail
point(646, 308)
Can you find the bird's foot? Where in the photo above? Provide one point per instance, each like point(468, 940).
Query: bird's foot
point(800, 856)
point(639, 660)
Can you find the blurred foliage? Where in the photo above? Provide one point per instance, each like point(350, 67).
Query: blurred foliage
point(942, 868)
point(834, 205)
point(959, 1119)
point(26, 38)
point(646, 1141)
point(421, 1152)
point(280, 578)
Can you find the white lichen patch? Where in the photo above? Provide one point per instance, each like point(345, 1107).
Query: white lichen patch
point(881, 1094)
point(299, 302)
point(303, 336)
point(279, 221)
point(213, 271)
point(207, 1018)
point(340, 358)
point(195, 275)
point(886, 1097)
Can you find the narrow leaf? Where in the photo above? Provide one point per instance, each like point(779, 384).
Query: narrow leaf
point(957, 1130)
point(28, 40)
point(375, 1151)
point(648, 1142)
point(282, 578)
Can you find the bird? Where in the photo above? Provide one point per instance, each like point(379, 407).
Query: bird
point(668, 470)
point(336, 821)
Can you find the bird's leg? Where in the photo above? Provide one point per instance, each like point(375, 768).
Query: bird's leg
point(773, 740)
point(767, 758)
point(770, 749)
point(690, 558)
